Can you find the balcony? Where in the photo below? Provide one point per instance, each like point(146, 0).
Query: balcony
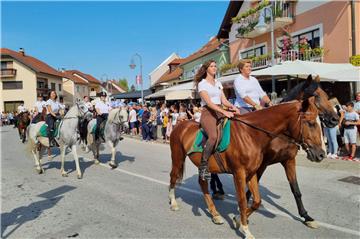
point(283, 12)
point(8, 73)
point(263, 61)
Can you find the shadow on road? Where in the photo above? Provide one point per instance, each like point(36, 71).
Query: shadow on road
point(226, 209)
point(19, 216)
point(119, 158)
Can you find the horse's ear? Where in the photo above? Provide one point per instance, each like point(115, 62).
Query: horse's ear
point(308, 81)
point(317, 79)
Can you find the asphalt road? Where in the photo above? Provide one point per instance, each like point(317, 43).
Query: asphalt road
point(132, 200)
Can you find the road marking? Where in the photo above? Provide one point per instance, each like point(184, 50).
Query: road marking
point(262, 208)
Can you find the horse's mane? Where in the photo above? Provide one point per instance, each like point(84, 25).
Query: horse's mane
point(261, 115)
point(112, 115)
point(308, 90)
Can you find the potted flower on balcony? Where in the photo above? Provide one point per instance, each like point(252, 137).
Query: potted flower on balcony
point(287, 46)
point(303, 45)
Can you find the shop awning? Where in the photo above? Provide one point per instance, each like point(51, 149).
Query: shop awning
point(180, 95)
point(336, 72)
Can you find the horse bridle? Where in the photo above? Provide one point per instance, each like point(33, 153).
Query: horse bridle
point(79, 116)
point(300, 143)
point(121, 124)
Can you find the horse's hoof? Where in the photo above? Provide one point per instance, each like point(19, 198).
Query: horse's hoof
point(113, 165)
point(79, 176)
point(96, 161)
point(174, 208)
point(40, 171)
point(218, 220)
point(64, 174)
point(236, 222)
point(312, 224)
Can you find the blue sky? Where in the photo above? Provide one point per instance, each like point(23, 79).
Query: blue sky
point(100, 38)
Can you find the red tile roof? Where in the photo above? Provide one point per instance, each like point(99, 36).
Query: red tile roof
point(209, 47)
point(74, 78)
point(88, 77)
point(31, 62)
point(176, 62)
point(168, 76)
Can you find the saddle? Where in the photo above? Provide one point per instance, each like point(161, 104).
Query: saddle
point(43, 129)
point(222, 142)
point(102, 129)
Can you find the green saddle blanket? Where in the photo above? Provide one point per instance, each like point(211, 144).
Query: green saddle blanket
point(102, 129)
point(43, 129)
point(222, 146)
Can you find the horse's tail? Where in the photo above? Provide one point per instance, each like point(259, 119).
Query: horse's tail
point(178, 156)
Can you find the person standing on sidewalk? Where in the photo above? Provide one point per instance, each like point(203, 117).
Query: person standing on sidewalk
point(351, 119)
point(145, 117)
point(132, 120)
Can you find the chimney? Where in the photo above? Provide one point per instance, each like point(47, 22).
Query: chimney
point(22, 51)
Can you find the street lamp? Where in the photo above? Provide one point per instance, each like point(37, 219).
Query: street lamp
point(133, 66)
point(261, 28)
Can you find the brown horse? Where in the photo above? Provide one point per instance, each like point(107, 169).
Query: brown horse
point(23, 123)
point(280, 151)
point(244, 155)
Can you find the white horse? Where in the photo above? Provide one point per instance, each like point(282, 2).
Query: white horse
point(68, 137)
point(116, 123)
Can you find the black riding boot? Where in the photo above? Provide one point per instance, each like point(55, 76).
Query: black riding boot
point(204, 173)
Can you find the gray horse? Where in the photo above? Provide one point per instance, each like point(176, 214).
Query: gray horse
point(116, 123)
point(68, 137)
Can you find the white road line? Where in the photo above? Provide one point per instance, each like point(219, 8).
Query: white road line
point(276, 212)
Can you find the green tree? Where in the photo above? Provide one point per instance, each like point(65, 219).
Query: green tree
point(123, 83)
point(132, 88)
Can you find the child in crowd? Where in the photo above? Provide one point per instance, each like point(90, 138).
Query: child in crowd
point(164, 125)
point(351, 119)
point(169, 128)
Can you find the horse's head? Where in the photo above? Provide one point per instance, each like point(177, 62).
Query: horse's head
point(119, 117)
point(327, 113)
point(310, 131)
point(83, 110)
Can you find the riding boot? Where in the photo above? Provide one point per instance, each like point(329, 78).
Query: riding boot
point(204, 173)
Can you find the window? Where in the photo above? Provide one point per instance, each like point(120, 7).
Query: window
point(12, 85)
point(92, 89)
point(11, 106)
point(53, 86)
point(83, 89)
point(6, 64)
point(77, 89)
point(40, 85)
point(59, 87)
point(313, 38)
point(257, 51)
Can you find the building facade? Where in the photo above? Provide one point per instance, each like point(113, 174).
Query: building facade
point(161, 69)
point(24, 77)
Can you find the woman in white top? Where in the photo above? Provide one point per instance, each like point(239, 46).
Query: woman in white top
point(102, 111)
point(52, 113)
point(40, 105)
point(212, 100)
point(248, 90)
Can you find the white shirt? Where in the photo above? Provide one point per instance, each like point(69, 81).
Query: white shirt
point(89, 105)
point(214, 91)
point(132, 116)
point(247, 87)
point(39, 105)
point(103, 107)
point(21, 109)
point(55, 106)
point(174, 118)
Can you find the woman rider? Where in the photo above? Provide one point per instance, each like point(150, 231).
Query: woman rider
point(212, 100)
point(248, 90)
point(52, 113)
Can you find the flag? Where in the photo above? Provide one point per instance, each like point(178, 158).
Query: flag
point(138, 79)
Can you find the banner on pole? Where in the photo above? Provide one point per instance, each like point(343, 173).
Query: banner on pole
point(138, 79)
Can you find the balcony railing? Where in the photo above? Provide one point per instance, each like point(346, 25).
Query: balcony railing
point(283, 14)
point(263, 61)
point(7, 72)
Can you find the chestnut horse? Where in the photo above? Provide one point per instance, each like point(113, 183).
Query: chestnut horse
point(250, 137)
point(23, 123)
point(280, 151)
